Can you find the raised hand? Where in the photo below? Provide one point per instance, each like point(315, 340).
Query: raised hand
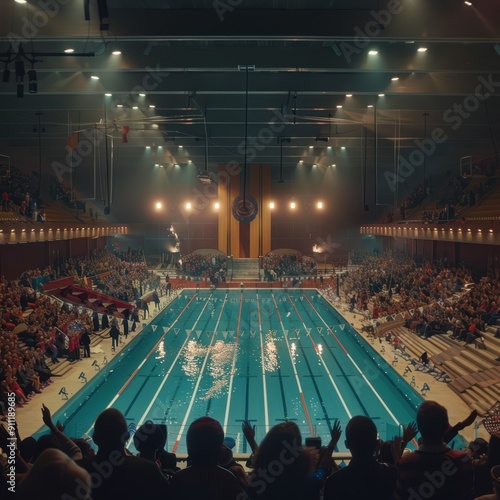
point(409, 432)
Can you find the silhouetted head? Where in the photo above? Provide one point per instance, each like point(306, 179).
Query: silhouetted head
point(110, 430)
point(148, 439)
point(432, 422)
point(54, 475)
point(361, 436)
point(204, 440)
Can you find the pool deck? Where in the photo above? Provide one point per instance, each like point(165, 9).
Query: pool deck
point(29, 417)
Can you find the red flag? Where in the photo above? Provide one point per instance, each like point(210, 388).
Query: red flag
point(125, 131)
point(73, 141)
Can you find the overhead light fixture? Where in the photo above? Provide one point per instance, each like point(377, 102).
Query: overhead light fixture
point(381, 95)
point(373, 52)
point(348, 95)
point(152, 106)
point(466, 3)
point(32, 82)
point(135, 107)
point(108, 95)
point(339, 106)
point(395, 78)
point(116, 52)
point(422, 49)
point(142, 95)
point(20, 1)
point(271, 205)
point(370, 106)
point(69, 51)
point(119, 105)
point(19, 65)
point(94, 77)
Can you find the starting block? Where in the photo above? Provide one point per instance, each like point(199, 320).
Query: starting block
point(424, 389)
point(407, 370)
point(64, 393)
point(382, 350)
point(96, 364)
point(395, 361)
point(413, 382)
point(83, 378)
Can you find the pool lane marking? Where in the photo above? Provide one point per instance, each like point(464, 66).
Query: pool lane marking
point(200, 376)
point(301, 393)
point(124, 386)
point(377, 395)
point(169, 371)
point(233, 366)
point(262, 365)
point(335, 387)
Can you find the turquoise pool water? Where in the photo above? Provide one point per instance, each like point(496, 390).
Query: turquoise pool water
point(263, 355)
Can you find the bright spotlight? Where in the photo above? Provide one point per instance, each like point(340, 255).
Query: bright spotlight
point(292, 205)
point(271, 205)
point(188, 205)
point(158, 205)
point(216, 205)
point(320, 204)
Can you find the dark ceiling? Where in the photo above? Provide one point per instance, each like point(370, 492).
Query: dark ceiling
point(304, 57)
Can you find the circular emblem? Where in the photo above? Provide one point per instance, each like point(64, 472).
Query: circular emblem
point(245, 211)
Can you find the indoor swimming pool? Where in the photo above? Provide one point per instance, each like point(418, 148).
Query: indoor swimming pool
point(266, 356)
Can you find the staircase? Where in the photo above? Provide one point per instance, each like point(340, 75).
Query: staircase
point(245, 269)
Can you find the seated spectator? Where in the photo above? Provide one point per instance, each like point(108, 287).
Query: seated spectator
point(126, 477)
point(54, 475)
point(495, 478)
point(204, 478)
point(364, 477)
point(434, 470)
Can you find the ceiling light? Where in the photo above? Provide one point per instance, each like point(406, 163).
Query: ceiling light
point(148, 147)
point(152, 106)
point(142, 95)
point(20, 1)
point(310, 147)
point(422, 49)
point(119, 105)
point(94, 77)
point(373, 52)
point(158, 205)
point(348, 95)
point(188, 205)
point(216, 205)
point(108, 95)
point(69, 51)
point(466, 3)
point(381, 95)
point(117, 52)
point(292, 205)
point(342, 147)
point(135, 107)
point(271, 205)
point(395, 78)
point(339, 106)
point(320, 204)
